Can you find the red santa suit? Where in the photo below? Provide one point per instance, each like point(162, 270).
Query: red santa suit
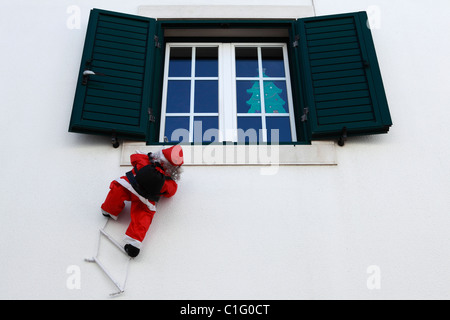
point(142, 210)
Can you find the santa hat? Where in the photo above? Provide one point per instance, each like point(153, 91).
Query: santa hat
point(174, 155)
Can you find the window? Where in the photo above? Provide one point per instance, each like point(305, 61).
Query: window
point(322, 81)
point(263, 94)
point(204, 101)
point(190, 107)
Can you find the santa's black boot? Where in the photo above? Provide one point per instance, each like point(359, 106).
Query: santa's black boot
point(131, 250)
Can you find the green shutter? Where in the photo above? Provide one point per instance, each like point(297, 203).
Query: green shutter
point(343, 90)
point(119, 49)
point(156, 98)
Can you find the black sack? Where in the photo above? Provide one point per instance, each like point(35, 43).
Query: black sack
point(148, 182)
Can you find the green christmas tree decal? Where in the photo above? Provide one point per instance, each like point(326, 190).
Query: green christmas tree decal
point(272, 100)
point(255, 100)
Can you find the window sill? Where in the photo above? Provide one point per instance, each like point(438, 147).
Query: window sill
point(318, 153)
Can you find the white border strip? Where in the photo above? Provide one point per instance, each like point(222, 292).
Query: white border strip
point(319, 153)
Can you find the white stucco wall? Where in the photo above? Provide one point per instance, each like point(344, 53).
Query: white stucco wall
point(306, 232)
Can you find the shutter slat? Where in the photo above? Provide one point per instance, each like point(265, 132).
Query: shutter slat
point(124, 40)
point(117, 66)
point(117, 74)
point(343, 27)
point(334, 54)
point(337, 67)
point(112, 102)
point(348, 94)
point(114, 87)
point(113, 95)
point(122, 27)
point(339, 81)
point(119, 48)
point(122, 33)
point(132, 21)
point(338, 74)
point(119, 60)
point(120, 53)
point(331, 41)
point(344, 119)
point(344, 111)
point(120, 81)
point(333, 48)
point(336, 61)
point(330, 35)
point(103, 117)
point(343, 86)
point(328, 22)
point(343, 103)
point(112, 110)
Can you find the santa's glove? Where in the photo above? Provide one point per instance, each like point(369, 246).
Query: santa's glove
point(131, 250)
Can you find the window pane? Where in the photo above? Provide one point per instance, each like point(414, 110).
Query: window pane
point(206, 64)
point(282, 127)
point(273, 63)
point(206, 96)
point(177, 129)
point(206, 129)
point(249, 129)
point(248, 98)
point(178, 96)
point(275, 97)
point(180, 62)
point(247, 62)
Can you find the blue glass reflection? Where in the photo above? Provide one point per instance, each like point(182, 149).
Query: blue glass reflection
point(178, 96)
point(278, 129)
point(177, 129)
point(180, 62)
point(206, 129)
point(206, 96)
point(206, 64)
point(247, 62)
point(273, 62)
point(249, 129)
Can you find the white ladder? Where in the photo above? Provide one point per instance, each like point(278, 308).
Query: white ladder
point(95, 259)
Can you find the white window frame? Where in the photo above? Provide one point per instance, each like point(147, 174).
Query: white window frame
point(261, 80)
point(192, 78)
point(227, 111)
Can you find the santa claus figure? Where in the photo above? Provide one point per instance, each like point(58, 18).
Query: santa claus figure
point(153, 175)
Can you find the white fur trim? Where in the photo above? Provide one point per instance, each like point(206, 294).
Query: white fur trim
point(124, 183)
point(160, 155)
point(163, 157)
point(133, 242)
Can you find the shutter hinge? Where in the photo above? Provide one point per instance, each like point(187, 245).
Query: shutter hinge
point(305, 114)
point(151, 117)
point(114, 139)
point(295, 43)
point(343, 137)
point(157, 44)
